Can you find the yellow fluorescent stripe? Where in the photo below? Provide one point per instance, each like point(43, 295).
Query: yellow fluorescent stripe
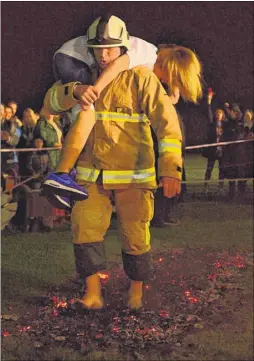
point(170, 150)
point(116, 177)
point(121, 117)
point(148, 236)
point(171, 140)
point(128, 180)
point(89, 174)
point(170, 145)
point(54, 102)
point(129, 172)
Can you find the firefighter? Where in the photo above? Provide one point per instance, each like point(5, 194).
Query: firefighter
point(117, 164)
point(75, 62)
point(176, 66)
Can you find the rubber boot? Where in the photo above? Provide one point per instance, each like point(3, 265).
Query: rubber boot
point(75, 140)
point(135, 295)
point(92, 299)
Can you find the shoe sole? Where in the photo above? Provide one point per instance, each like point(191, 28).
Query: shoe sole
point(53, 188)
point(57, 203)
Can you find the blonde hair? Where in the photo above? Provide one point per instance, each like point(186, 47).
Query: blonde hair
point(182, 69)
point(32, 121)
point(219, 110)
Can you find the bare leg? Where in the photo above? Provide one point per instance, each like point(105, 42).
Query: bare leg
point(75, 140)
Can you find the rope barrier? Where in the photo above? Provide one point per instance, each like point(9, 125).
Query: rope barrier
point(23, 182)
point(187, 148)
point(202, 181)
point(218, 144)
point(28, 149)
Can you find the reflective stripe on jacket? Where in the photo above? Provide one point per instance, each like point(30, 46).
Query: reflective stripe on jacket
point(116, 177)
point(120, 144)
point(59, 98)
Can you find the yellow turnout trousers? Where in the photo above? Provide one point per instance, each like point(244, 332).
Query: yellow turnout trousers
point(91, 219)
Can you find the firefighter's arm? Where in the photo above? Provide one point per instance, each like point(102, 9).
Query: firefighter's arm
point(59, 98)
point(88, 94)
point(164, 120)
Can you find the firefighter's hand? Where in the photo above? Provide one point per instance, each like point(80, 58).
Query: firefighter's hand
point(171, 186)
point(87, 95)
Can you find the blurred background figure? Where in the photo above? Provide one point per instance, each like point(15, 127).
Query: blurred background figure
point(29, 121)
point(214, 135)
point(244, 152)
point(48, 129)
point(38, 164)
point(14, 106)
point(10, 135)
point(34, 212)
point(2, 112)
point(234, 154)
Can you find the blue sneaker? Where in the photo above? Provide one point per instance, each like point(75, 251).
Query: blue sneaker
point(65, 186)
point(60, 202)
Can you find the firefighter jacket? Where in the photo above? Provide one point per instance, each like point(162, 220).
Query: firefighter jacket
point(120, 146)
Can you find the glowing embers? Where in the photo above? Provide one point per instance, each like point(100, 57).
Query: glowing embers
point(59, 303)
point(190, 298)
point(226, 260)
point(104, 276)
point(6, 333)
point(164, 314)
point(25, 329)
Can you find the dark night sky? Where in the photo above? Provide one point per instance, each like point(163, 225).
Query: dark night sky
point(221, 33)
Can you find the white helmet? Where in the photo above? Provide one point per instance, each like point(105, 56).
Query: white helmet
point(107, 32)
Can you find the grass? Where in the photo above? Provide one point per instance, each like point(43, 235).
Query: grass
point(33, 263)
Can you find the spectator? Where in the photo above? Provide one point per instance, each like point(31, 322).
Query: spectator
point(232, 153)
point(214, 135)
point(234, 112)
point(29, 120)
point(27, 138)
point(248, 123)
point(10, 135)
point(50, 132)
point(244, 153)
point(14, 106)
point(38, 164)
point(34, 212)
point(2, 112)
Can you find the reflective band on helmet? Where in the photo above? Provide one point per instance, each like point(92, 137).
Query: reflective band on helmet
point(170, 145)
point(121, 117)
point(88, 174)
point(129, 176)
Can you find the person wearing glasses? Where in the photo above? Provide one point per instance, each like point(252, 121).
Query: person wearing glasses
point(118, 165)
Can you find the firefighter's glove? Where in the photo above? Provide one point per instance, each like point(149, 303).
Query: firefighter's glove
point(171, 186)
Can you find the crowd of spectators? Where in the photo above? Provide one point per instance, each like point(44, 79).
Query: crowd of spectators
point(38, 131)
point(29, 132)
point(229, 123)
point(35, 131)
